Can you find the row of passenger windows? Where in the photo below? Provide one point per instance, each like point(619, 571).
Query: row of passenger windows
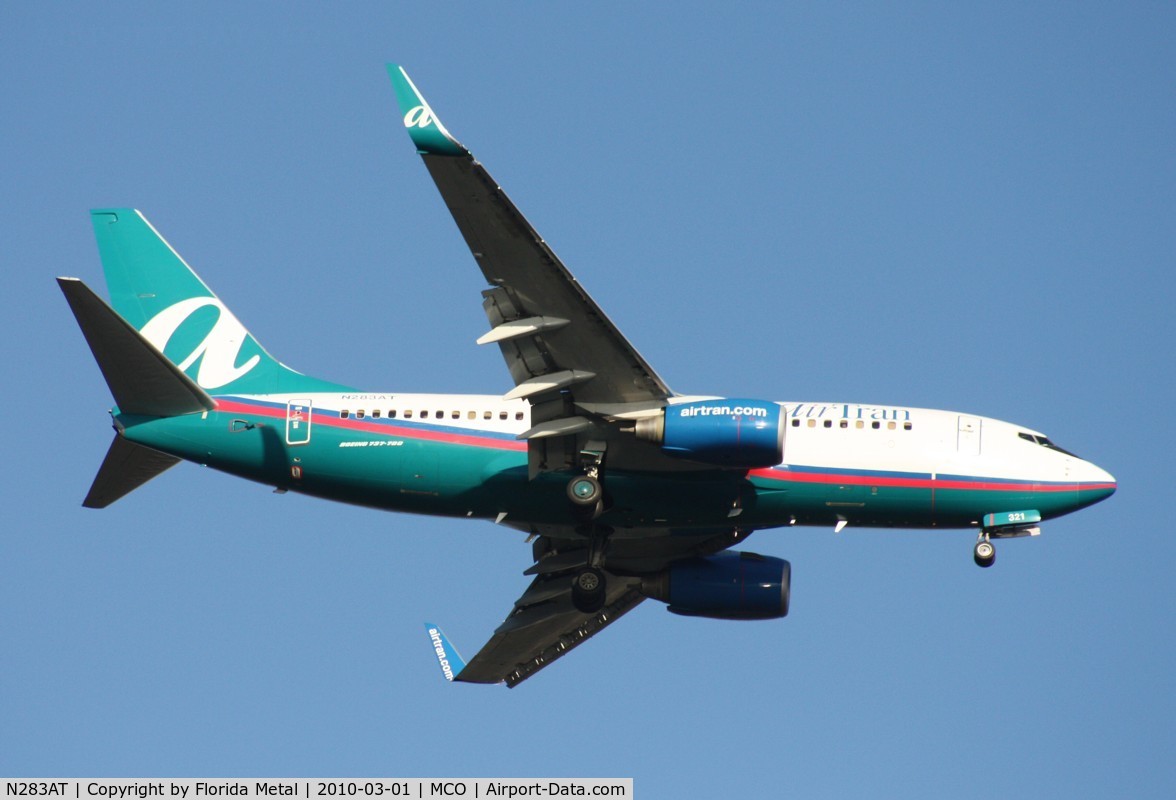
point(408, 414)
point(891, 425)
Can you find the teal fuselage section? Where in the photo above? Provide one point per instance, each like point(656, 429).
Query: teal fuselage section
point(419, 470)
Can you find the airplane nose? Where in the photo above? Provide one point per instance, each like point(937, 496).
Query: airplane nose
point(1097, 481)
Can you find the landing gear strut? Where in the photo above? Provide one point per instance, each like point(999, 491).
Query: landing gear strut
point(589, 585)
point(984, 553)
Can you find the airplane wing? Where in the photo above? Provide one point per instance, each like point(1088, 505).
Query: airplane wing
point(583, 379)
point(552, 334)
point(543, 626)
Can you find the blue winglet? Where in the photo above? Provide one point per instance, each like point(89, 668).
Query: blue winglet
point(426, 131)
point(447, 656)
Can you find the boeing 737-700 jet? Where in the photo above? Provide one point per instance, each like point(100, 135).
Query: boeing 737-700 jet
point(626, 489)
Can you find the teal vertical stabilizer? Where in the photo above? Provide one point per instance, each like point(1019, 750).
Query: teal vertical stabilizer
point(154, 290)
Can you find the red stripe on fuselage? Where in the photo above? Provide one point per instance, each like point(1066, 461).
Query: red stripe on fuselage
point(978, 484)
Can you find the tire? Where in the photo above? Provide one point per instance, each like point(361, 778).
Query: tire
point(584, 491)
point(588, 590)
point(984, 554)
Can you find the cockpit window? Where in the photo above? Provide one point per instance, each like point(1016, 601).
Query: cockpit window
point(1045, 442)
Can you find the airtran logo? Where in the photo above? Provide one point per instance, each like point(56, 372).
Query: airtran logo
point(435, 635)
point(723, 411)
point(419, 117)
point(217, 352)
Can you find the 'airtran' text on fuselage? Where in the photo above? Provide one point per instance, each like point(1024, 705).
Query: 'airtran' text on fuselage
point(849, 411)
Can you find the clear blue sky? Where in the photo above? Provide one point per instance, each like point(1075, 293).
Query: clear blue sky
point(924, 204)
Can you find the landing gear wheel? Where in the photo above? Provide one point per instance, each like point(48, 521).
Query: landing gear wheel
point(588, 589)
point(984, 554)
point(584, 491)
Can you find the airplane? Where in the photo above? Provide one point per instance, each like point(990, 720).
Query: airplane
point(626, 490)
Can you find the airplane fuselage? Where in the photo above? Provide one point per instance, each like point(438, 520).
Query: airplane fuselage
point(458, 455)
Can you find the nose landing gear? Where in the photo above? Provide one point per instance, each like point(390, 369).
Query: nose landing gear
point(984, 553)
point(1003, 525)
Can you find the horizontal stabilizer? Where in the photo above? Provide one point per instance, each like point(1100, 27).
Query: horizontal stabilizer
point(127, 467)
point(142, 380)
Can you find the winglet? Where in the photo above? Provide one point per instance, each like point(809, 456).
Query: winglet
point(451, 663)
point(426, 131)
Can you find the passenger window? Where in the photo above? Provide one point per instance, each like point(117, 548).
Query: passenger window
point(439, 415)
point(892, 425)
point(518, 415)
point(408, 413)
point(860, 424)
point(344, 414)
point(359, 414)
point(472, 415)
point(812, 423)
point(844, 423)
point(376, 413)
point(875, 424)
point(796, 423)
point(391, 413)
point(828, 423)
point(455, 415)
point(906, 426)
point(487, 415)
point(502, 415)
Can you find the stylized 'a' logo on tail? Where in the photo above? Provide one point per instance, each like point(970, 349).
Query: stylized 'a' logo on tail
point(156, 291)
point(216, 353)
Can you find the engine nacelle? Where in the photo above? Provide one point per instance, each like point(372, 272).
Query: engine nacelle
point(726, 432)
point(727, 585)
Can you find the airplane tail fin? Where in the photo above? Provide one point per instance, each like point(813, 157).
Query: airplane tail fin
point(154, 290)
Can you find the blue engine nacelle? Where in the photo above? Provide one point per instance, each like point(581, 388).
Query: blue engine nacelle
point(727, 433)
point(727, 585)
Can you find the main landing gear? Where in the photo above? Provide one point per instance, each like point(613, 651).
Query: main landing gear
point(589, 585)
point(984, 553)
point(584, 491)
point(588, 590)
